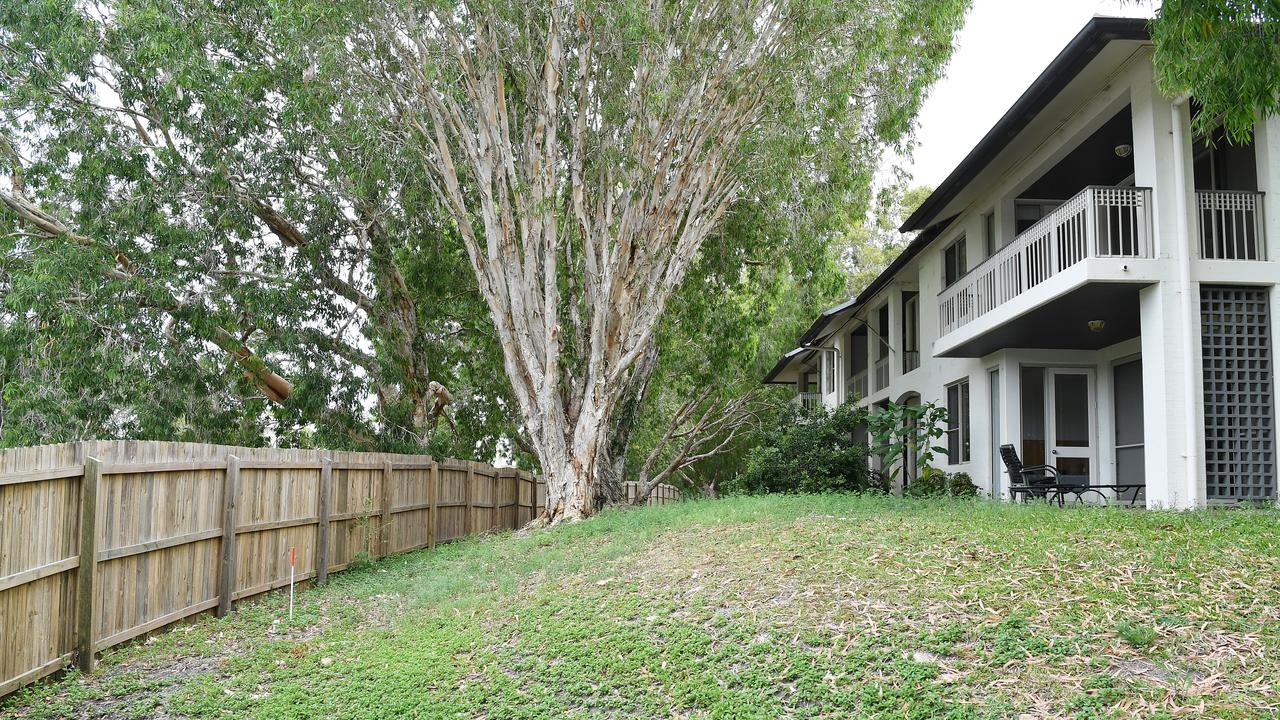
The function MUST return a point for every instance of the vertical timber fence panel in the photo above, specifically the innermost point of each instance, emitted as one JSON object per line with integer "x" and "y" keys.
{"x": 104, "y": 541}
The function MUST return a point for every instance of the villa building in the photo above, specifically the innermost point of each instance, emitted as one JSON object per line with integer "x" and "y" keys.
{"x": 1094, "y": 284}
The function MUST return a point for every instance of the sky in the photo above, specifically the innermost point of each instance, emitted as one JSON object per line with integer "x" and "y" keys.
{"x": 1004, "y": 45}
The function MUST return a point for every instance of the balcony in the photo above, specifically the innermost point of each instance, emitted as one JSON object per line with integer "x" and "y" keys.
{"x": 1098, "y": 222}
{"x": 857, "y": 386}
{"x": 1230, "y": 225}
{"x": 882, "y": 374}
{"x": 810, "y": 400}
{"x": 910, "y": 360}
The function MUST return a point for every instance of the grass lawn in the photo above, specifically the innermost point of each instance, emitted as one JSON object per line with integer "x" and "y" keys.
{"x": 807, "y": 607}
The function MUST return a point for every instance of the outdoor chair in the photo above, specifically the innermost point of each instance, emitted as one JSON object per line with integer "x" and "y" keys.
{"x": 1027, "y": 480}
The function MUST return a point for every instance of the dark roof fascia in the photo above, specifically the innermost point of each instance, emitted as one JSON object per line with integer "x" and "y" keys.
{"x": 781, "y": 365}
{"x": 917, "y": 245}
{"x": 1078, "y": 53}
{"x": 815, "y": 330}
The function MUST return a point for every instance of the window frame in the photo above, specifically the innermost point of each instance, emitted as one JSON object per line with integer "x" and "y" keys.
{"x": 961, "y": 262}
{"x": 959, "y": 422}
{"x": 1043, "y": 205}
{"x": 910, "y": 323}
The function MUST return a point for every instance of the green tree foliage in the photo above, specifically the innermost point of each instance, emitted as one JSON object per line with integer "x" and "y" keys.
{"x": 1223, "y": 53}
{"x": 896, "y": 428}
{"x": 199, "y": 241}
{"x": 757, "y": 284}
{"x": 871, "y": 240}
{"x": 586, "y": 151}
{"x": 807, "y": 451}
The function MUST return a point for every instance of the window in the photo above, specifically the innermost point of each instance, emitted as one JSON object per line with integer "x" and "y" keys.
{"x": 808, "y": 382}
{"x": 989, "y": 233}
{"x": 828, "y": 372}
{"x": 881, "y": 376}
{"x": 953, "y": 262}
{"x": 958, "y": 422}
{"x": 882, "y": 319}
{"x": 910, "y": 332}
{"x": 1029, "y": 212}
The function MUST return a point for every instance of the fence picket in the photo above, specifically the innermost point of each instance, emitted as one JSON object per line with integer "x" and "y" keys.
{"x": 187, "y": 528}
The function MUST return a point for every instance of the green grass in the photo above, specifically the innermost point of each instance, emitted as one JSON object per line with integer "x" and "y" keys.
{"x": 807, "y": 607}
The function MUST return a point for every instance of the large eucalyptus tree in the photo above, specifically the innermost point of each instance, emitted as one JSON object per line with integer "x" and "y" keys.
{"x": 198, "y": 241}
{"x": 586, "y": 150}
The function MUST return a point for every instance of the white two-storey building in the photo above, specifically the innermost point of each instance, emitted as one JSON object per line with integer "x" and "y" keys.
{"x": 1094, "y": 284}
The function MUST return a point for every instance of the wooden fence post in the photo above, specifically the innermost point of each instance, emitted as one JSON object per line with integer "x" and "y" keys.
{"x": 521, "y": 480}
{"x": 322, "y": 539}
{"x": 433, "y": 496}
{"x": 471, "y": 480}
{"x": 384, "y": 520}
{"x": 495, "y": 513}
{"x": 227, "y": 559}
{"x": 87, "y": 572}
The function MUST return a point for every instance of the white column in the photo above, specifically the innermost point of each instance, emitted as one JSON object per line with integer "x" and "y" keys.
{"x": 1105, "y": 442}
{"x": 1153, "y": 161}
{"x": 1266, "y": 142}
{"x": 1172, "y": 388}
{"x": 895, "y": 334}
{"x": 1011, "y": 413}
{"x": 1164, "y": 402}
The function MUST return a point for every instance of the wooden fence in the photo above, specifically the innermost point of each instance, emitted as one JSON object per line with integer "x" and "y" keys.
{"x": 103, "y": 541}
{"x": 660, "y": 495}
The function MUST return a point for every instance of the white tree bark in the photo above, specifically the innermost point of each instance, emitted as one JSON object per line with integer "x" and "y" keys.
{"x": 579, "y": 228}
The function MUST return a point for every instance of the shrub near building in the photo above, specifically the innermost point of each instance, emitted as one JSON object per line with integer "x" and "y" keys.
{"x": 809, "y": 451}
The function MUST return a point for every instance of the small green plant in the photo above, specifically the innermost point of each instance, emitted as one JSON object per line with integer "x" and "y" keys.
{"x": 934, "y": 482}
{"x": 1137, "y": 635}
{"x": 361, "y": 561}
{"x": 895, "y": 429}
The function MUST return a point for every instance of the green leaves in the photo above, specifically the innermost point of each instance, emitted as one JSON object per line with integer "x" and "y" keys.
{"x": 807, "y": 451}
{"x": 1223, "y": 53}
{"x": 165, "y": 134}
{"x": 896, "y": 429}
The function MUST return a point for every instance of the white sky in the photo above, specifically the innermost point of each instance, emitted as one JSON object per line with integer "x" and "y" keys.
{"x": 1004, "y": 45}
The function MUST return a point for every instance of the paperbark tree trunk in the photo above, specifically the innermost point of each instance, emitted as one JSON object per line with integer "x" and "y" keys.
{"x": 579, "y": 226}
{"x": 611, "y": 470}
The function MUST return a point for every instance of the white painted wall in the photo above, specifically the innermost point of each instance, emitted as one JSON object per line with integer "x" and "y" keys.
{"x": 1170, "y": 411}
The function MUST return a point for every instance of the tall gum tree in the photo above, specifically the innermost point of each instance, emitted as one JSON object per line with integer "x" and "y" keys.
{"x": 197, "y": 243}
{"x": 586, "y": 149}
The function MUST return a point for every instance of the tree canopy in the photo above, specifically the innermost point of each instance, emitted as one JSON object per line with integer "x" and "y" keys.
{"x": 586, "y": 152}
{"x": 245, "y": 222}
{"x": 1225, "y": 54}
{"x": 198, "y": 242}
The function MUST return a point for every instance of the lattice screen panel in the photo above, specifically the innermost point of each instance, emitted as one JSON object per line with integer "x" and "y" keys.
{"x": 1239, "y": 425}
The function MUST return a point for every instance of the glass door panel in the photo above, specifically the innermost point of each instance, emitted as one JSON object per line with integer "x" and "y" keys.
{"x": 1071, "y": 423}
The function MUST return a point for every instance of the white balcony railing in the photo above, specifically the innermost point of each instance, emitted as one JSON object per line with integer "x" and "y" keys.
{"x": 1230, "y": 224}
{"x": 882, "y": 374}
{"x": 810, "y": 400}
{"x": 910, "y": 360}
{"x": 857, "y": 387}
{"x": 1099, "y": 222}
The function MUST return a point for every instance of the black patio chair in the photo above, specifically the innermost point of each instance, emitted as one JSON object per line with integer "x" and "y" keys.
{"x": 1030, "y": 481}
